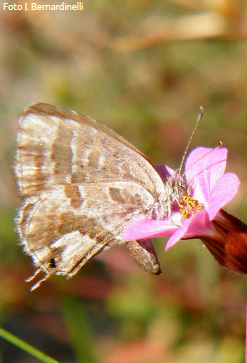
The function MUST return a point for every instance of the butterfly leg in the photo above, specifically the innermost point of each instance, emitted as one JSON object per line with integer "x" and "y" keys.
{"x": 35, "y": 286}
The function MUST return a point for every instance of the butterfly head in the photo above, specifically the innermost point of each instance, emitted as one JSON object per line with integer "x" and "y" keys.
{"x": 180, "y": 196}
{"x": 178, "y": 187}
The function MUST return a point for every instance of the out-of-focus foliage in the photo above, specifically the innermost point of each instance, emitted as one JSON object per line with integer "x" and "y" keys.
{"x": 142, "y": 68}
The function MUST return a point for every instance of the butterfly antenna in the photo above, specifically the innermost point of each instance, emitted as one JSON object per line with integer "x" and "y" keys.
{"x": 190, "y": 139}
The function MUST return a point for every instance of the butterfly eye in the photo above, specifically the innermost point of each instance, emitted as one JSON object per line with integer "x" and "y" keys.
{"x": 180, "y": 189}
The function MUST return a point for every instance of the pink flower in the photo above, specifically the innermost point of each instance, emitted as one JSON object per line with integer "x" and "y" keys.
{"x": 211, "y": 189}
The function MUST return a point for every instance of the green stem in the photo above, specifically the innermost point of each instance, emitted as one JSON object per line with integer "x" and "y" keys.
{"x": 26, "y": 347}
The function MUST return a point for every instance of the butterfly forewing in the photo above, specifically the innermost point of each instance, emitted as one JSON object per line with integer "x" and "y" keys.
{"x": 81, "y": 184}
{"x": 57, "y": 146}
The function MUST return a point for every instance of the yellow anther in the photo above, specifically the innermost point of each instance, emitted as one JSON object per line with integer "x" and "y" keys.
{"x": 189, "y": 206}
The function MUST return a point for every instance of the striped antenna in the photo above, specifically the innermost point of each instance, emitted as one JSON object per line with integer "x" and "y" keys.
{"x": 189, "y": 142}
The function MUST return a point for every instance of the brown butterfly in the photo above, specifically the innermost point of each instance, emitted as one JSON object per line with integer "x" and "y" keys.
{"x": 81, "y": 184}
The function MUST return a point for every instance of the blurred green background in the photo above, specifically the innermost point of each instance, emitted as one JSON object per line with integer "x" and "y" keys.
{"x": 142, "y": 68}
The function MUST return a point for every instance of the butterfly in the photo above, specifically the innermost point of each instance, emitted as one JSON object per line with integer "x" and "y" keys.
{"x": 81, "y": 184}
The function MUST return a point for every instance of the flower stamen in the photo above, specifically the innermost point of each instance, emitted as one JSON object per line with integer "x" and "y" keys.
{"x": 189, "y": 206}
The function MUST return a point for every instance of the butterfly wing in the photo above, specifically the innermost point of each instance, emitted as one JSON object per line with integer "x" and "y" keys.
{"x": 81, "y": 183}
{"x": 57, "y": 146}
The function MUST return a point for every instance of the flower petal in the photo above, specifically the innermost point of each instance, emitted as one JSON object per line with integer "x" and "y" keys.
{"x": 224, "y": 190}
{"x": 193, "y": 227}
{"x": 164, "y": 171}
{"x": 148, "y": 228}
{"x": 204, "y": 166}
